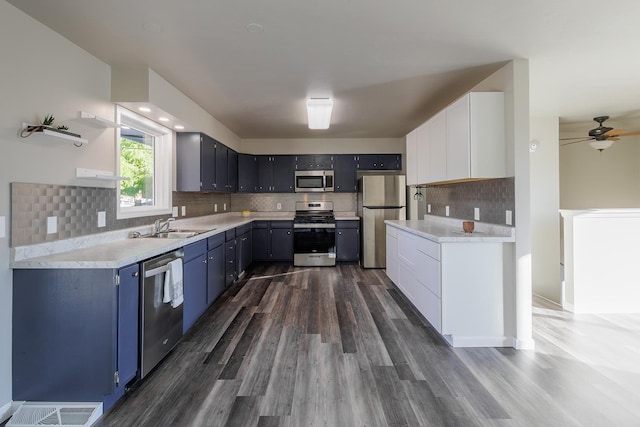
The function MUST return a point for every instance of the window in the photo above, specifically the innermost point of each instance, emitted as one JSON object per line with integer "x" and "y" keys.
{"x": 144, "y": 156}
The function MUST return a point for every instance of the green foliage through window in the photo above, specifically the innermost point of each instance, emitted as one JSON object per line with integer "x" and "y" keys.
{"x": 137, "y": 164}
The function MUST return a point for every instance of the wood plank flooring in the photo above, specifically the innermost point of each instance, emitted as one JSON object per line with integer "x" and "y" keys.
{"x": 341, "y": 346}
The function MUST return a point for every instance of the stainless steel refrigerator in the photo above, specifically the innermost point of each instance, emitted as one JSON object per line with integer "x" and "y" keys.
{"x": 380, "y": 197}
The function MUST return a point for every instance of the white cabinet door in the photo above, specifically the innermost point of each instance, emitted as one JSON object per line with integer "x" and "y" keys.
{"x": 458, "y": 138}
{"x": 423, "y": 137}
{"x": 411, "y": 158}
{"x": 392, "y": 254}
{"x": 438, "y": 147}
{"x": 476, "y": 137}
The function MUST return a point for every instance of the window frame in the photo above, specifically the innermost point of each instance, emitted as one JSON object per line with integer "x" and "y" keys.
{"x": 162, "y": 180}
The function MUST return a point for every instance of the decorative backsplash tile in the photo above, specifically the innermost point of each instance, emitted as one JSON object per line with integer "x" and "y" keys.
{"x": 493, "y": 197}
{"x": 77, "y": 210}
{"x": 266, "y": 202}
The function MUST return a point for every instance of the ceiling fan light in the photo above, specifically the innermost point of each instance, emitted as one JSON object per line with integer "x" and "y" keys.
{"x": 600, "y": 145}
{"x": 319, "y": 112}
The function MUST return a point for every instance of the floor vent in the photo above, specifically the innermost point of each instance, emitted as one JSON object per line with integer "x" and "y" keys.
{"x": 56, "y": 414}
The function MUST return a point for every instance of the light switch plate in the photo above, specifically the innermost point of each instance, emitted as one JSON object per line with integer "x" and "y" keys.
{"x": 102, "y": 219}
{"x": 476, "y": 214}
{"x": 3, "y": 227}
{"x": 446, "y": 211}
{"x": 224, "y": 206}
{"x": 278, "y": 206}
{"x": 184, "y": 211}
{"x": 52, "y": 224}
{"x": 174, "y": 212}
{"x": 428, "y": 207}
{"x": 215, "y": 207}
{"x": 509, "y": 217}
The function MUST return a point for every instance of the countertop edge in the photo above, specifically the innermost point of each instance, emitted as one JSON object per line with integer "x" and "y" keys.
{"x": 450, "y": 234}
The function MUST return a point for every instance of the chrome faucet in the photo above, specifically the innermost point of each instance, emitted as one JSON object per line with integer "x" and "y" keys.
{"x": 159, "y": 226}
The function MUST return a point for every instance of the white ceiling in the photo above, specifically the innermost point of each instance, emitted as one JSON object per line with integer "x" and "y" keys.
{"x": 387, "y": 65}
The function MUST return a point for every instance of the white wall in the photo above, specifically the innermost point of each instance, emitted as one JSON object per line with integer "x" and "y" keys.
{"x": 545, "y": 203}
{"x": 513, "y": 80}
{"x": 43, "y": 73}
{"x": 593, "y": 179}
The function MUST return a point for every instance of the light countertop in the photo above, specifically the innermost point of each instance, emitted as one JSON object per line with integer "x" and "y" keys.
{"x": 115, "y": 249}
{"x": 449, "y": 230}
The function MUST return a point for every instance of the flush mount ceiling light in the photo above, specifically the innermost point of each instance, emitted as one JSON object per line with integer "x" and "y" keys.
{"x": 319, "y": 112}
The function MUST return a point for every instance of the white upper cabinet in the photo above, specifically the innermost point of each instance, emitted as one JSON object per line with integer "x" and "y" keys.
{"x": 476, "y": 137}
{"x": 438, "y": 148}
{"x": 411, "y": 158}
{"x": 466, "y": 140}
{"x": 423, "y": 142}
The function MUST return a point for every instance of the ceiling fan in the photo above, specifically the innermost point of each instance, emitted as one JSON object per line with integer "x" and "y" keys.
{"x": 601, "y": 137}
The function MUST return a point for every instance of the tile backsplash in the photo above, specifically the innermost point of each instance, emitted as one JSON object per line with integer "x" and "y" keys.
{"x": 493, "y": 197}
{"x": 77, "y": 210}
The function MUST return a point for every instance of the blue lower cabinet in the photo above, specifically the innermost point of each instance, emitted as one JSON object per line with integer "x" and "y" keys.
{"x": 194, "y": 283}
{"x": 215, "y": 272}
{"x": 128, "y": 326}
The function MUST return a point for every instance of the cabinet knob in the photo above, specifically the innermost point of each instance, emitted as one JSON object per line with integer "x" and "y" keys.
{"x": 211, "y": 258}
{"x": 340, "y": 233}
{"x": 288, "y": 232}
{"x": 135, "y": 274}
{"x": 204, "y": 261}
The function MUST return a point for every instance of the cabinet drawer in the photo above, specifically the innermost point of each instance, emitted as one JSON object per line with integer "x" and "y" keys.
{"x": 428, "y": 273}
{"x": 347, "y": 224}
{"x": 230, "y": 234}
{"x": 428, "y": 247}
{"x": 407, "y": 248}
{"x": 281, "y": 224}
{"x": 243, "y": 229}
{"x": 392, "y": 231}
{"x": 194, "y": 250}
{"x": 431, "y": 308}
{"x": 215, "y": 241}
{"x": 260, "y": 224}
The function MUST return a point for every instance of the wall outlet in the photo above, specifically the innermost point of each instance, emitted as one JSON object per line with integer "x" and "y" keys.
{"x": 476, "y": 214}
{"x": 428, "y": 207}
{"x": 184, "y": 211}
{"x": 508, "y": 217}
{"x": 215, "y": 207}
{"x": 174, "y": 212}
{"x": 52, "y": 224}
{"x": 278, "y": 206}
{"x": 224, "y": 207}
{"x": 102, "y": 219}
{"x": 446, "y": 211}
{"x": 3, "y": 227}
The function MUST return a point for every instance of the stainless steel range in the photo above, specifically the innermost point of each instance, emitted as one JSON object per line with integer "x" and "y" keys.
{"x": 314, "y": 234}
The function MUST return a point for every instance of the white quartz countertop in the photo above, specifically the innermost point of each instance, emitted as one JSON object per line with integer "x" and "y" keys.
{"x": 449, "y": 230}
{"x": 115, "y": 249}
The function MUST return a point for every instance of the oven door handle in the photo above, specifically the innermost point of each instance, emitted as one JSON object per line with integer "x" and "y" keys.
{"x": 314, "y": 226}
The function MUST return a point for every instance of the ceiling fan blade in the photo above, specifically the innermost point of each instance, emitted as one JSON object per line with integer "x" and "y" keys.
{"x": 629, "y": 133}
{"x": 575, "y": 142}
{"x": 578, "y": 137}
{"x": 614, "y": 132}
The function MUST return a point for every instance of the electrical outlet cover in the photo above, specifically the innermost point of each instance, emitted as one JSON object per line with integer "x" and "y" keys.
{"x": 184, "y": 211}
{"x": 476, "y": 214}
{"x": 3, "y": 225}
{"x": 52, "y": 224}
{"x": 446, "y": 210}
{"x": 102, "y": 219}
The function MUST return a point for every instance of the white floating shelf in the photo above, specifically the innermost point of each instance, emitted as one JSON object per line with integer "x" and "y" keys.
{"x": 97, "y": 121}
{"x": 40, "y": 133}
{"x": 98, "y": 174}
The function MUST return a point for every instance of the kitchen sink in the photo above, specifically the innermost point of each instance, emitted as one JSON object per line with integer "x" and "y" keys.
{"x": 177, "y": 233}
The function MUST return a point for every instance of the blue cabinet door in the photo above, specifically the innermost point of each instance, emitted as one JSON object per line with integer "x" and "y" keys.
{"x": 247, "y": 173}
{"x": 281, "y": 244}
{"x": 215, "y": 273}
{"x": 347, "y": 244}
{"x": 244, "y": 251}
{"x": 232, "y": 171}
{"x": 265, "y": 174}
{"x": 345, "y": 173}
{"x": 260, "y": 240}
{"x": 222, "y": 180}
{"x": 195, "y": 290}
{"x": 128, "y": 326}
{"x": 283, "y": 174}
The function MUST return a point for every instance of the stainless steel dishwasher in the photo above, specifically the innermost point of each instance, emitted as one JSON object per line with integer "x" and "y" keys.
{"x": 160, "y": 324}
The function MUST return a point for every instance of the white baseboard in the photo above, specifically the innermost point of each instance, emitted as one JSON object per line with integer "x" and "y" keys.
{"x": 8, "y": 409}
{"x": 526, "y": 344}
{"x": 548, "y": 300}
{"x": 569, "y": 307}
{"x": 497, "y": 341}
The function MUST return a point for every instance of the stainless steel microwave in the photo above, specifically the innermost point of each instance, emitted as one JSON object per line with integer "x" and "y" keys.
{"x": 314, "y": 181}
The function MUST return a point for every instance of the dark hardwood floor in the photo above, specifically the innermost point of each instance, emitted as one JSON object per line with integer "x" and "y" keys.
{"x": 292, "y": 346}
